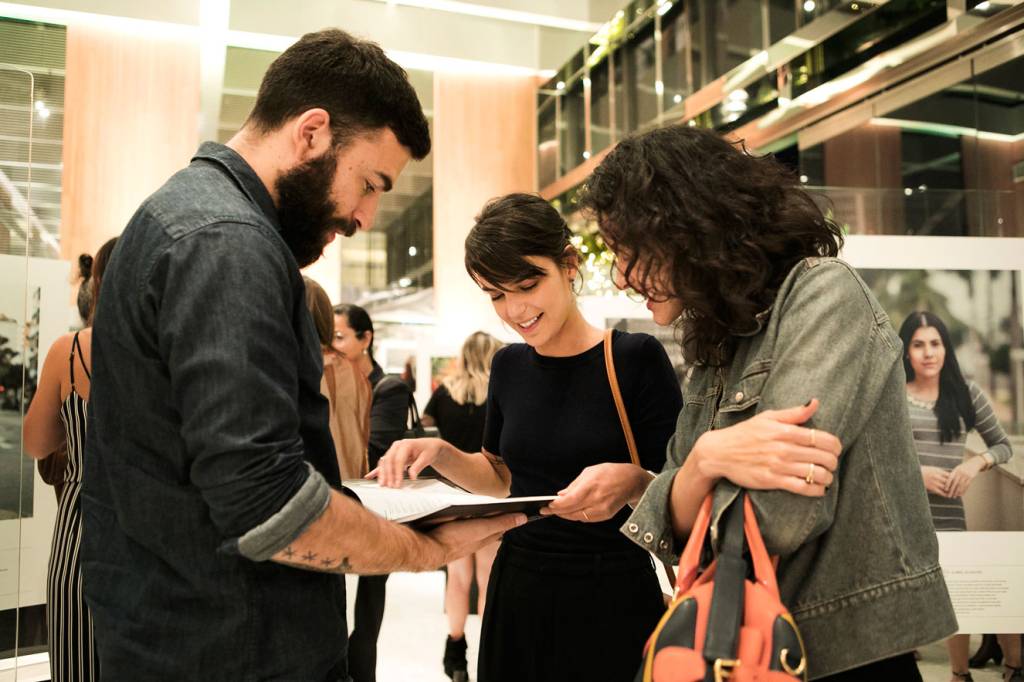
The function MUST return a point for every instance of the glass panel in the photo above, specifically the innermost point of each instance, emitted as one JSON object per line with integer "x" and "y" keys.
{"x": 674, "y": 67}
{"x": 890, "y": 25}
{"x": 33, "y": 310}
{"x": 941, "y": 165}
{"x": 600, "y": 107}
{"x": 623, "y": 102}
{"x": 547, "y": 139}
{"x": 781, "y": 19}
{"x": 641, "y": 80}
{"x": 573, "y": 142}
{"x": 737, "y": 29}
{"x": 410, "y": 245}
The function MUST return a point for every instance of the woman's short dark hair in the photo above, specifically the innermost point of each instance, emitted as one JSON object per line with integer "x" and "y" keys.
{"x": 954, "y": 402}
{"x": 99, "y": 266}
{"x": 352, "y": 79}
{"x": 508, "y": 230}
{"x": 319, "y": 305}
{"x": 84, "y": 298}
{"x": 359, "y": 320}
{"x": 727, "y": 225}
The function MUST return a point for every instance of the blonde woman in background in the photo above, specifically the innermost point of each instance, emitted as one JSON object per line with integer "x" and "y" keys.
{"x": 458, "y": 410}
{"x": 346, "y": 388}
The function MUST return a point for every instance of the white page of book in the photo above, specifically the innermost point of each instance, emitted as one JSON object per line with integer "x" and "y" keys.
{"x": 416, "y": 498}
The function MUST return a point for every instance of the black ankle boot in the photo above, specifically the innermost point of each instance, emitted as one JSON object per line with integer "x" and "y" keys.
{"x": 455, "y": 665}
{"x": 989, "y": 649}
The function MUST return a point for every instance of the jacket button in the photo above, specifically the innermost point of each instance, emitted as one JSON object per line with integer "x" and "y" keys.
{"x": 663, "y": 544}
{"x": 633, "y": 528}
{"x": 739, "y": 396}
{"x": 648, "y": 538}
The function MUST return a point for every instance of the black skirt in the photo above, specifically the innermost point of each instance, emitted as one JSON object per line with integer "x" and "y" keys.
{"x": 560, "y": 617}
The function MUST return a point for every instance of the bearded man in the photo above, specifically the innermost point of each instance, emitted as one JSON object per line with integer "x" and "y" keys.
{"x": 214, "y": 532}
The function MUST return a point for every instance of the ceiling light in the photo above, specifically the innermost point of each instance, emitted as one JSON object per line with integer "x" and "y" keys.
{"x": 677, "y": 99}
{"x": 486, "y": 12}
{"x": 413, "y": 251}
{"x": 405, "y": 282}
{"x": 560, "y": 85}
{"x": 809, "y": 6}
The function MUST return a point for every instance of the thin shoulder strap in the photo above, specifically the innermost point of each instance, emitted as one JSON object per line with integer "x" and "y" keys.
{"x": 76, "y": 346}
{"x": 620, "y": 407}
{"x": 627, "y": 430}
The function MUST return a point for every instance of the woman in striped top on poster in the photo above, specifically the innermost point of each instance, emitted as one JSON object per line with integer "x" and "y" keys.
{"x": 58, "y": 413}
{"x": 944, "y": 407}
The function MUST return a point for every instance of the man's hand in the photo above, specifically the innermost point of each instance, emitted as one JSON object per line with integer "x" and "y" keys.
{"x": 457, "y": 539}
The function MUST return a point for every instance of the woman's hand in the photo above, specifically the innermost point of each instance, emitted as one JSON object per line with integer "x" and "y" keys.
{"x": 962, "y": 475}
{"x": 936, "y": 480}
{"x": 770, "y": 451}
{"x": 415, "y": 454}
{"x": 599, "y": 492}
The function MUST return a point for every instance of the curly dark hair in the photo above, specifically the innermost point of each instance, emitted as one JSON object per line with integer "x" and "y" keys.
{"x": 727, "y": 225}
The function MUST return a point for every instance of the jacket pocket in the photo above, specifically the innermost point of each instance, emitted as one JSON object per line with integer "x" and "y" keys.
{"x": 741, "y": 398}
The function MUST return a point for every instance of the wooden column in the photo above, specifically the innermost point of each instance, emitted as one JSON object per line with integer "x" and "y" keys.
{"x": 131, "y": 120}
{"x": 484, "y": 147}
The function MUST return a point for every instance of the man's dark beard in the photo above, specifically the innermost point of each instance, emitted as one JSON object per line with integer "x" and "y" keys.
{"x": 305, "y": 208}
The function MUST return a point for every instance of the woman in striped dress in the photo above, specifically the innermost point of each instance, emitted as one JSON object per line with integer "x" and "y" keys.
{"x": 58, "y": 413}
{"x": 944, "y": 407}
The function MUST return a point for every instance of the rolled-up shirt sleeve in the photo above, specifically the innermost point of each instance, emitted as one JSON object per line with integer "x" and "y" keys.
{"x": 224, "y": 300}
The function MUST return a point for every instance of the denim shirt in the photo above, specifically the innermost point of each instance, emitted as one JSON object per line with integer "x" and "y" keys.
{"x": 858, "y": 568}
{"x": 209, "y": 448}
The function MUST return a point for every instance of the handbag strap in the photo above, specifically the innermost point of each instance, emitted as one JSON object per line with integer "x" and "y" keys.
{"x": 627, "y": 430}
{"x": 726, "y": 614}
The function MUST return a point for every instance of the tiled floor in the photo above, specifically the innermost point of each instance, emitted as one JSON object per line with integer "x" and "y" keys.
{"x": 412, "y": 637}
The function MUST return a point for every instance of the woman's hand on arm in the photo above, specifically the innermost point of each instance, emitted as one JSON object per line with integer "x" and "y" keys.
{"x": 936, "y": 480}
{"x": 769, "y": 451}
{"x": 961, "y": 477}
{"x": 600, "y": 491}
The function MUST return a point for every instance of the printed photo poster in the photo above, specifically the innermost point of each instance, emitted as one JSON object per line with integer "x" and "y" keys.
{"x": 972, "y": 291}
{"x": 34, "y": 312}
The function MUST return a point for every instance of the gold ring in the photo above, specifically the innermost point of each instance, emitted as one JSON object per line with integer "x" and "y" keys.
{"x": 812, "y": 438}
{"x": 585, "y": 515}
{"x": 809, "y": 478}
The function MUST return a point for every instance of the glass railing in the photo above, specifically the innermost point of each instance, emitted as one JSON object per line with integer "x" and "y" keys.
{"x": 923, "y": 211}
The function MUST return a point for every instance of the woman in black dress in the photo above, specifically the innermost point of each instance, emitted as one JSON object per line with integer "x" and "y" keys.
{"x": 456, "y": 408}
{"x": 570, "y": 598}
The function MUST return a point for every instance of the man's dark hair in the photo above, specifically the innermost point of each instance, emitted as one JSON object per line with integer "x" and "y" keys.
{"x": 727, "y": 225}
{"x": 352, "y": 79}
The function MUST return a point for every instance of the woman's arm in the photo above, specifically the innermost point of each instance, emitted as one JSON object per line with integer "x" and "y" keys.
{"x": 999, "y": 448}
{"x": 478, "y": 472}
{"x": 43, "y": 430}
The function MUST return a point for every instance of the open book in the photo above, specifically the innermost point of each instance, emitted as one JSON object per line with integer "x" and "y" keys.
{"x": 429, "y": 501}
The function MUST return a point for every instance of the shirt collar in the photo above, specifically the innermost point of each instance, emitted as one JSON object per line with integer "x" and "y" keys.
{"x": 759, "y": 321}
{"x": 243, "y": 175}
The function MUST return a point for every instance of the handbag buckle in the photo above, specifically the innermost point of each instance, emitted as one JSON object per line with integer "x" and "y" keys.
{"x": 724, "y": 668}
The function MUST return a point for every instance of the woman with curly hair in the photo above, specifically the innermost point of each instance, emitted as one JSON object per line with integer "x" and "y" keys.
{"x": 797, "y": 394}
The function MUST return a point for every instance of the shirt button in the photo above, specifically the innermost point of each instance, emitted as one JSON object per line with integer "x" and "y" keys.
{"x": 739, "y": 396}
{"x": 633, "y": 528}
{"x": 648, "y": 538}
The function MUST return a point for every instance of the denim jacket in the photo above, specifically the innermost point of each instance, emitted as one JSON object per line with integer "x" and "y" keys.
{"x": 209, "y": 447}
{"x": 858, "y": 568}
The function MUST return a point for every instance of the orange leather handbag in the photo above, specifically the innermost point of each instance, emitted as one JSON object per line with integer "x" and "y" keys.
{"x": 726, "y": 621}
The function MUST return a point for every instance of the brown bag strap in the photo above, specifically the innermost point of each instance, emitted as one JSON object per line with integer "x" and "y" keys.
{"x": 620, "y": 407}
